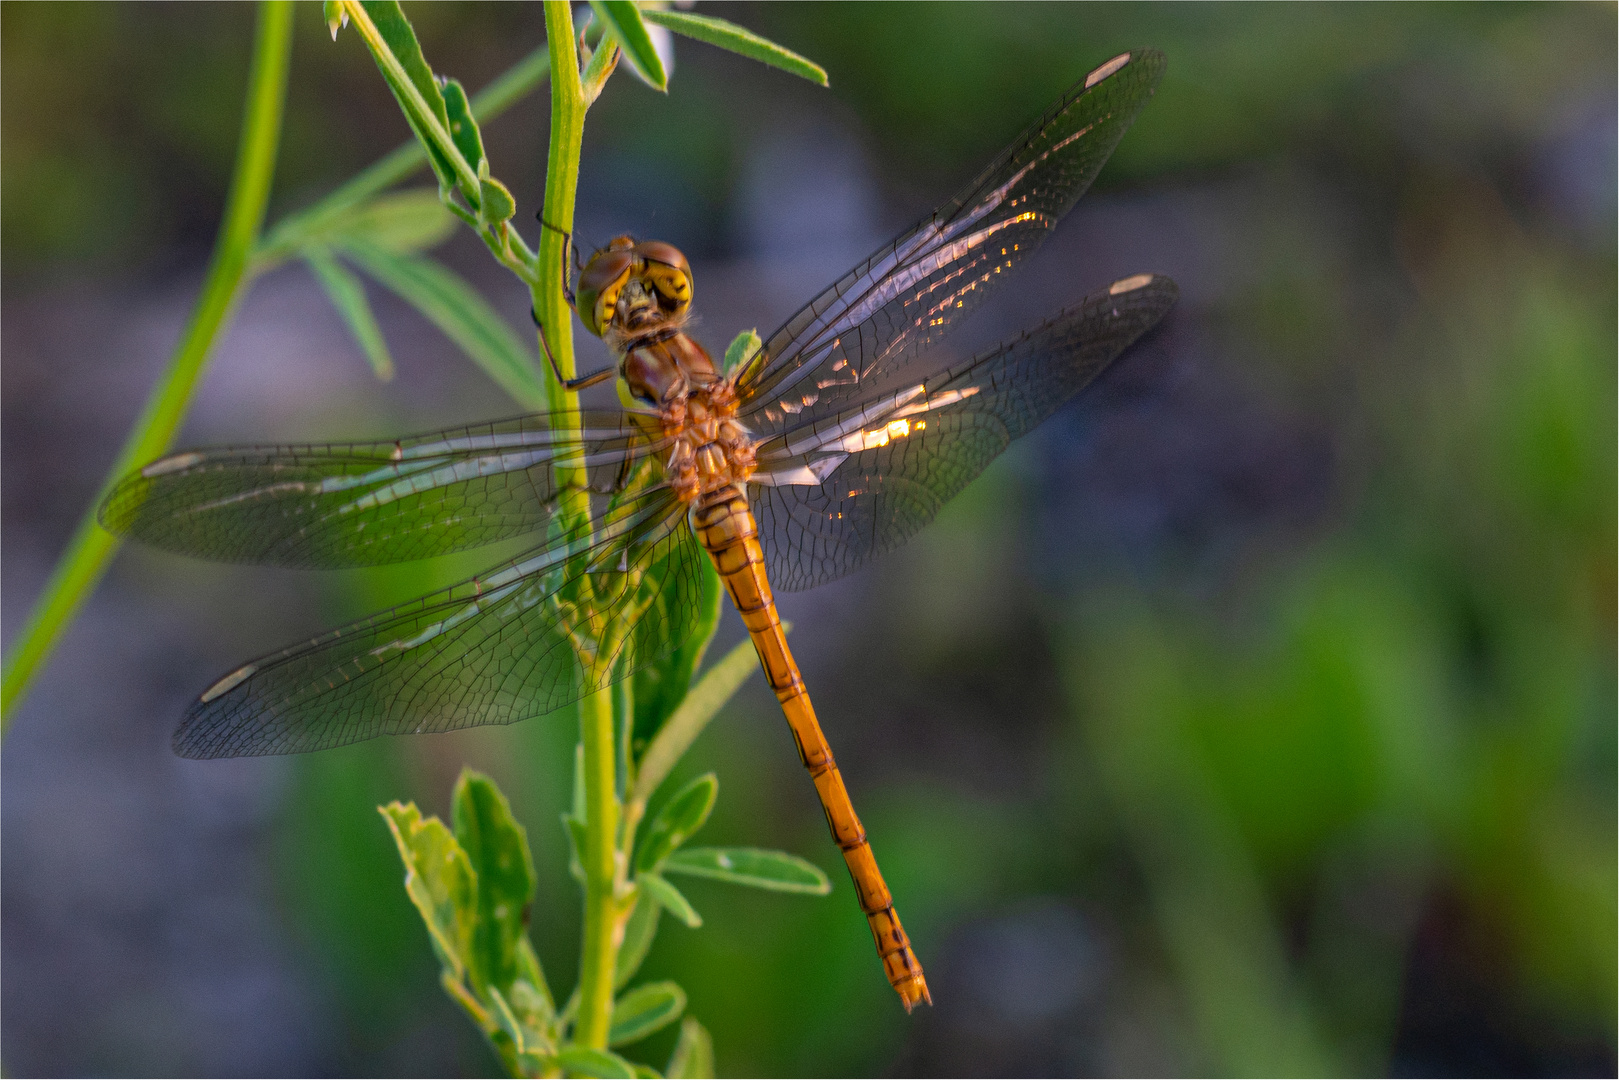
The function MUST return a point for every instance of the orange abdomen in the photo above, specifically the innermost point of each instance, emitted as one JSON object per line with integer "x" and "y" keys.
{"x": 724, "y": 525}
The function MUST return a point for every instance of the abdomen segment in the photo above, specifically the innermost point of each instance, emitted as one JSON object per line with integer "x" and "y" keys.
{"x": 725, "y": 526}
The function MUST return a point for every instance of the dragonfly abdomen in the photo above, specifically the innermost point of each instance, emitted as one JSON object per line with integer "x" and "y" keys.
{"x": 725, "y": 526}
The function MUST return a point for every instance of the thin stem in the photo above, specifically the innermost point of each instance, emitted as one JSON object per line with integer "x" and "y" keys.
{"x": 561, "y": 183}
{"x": 604, "y": 916}
{"x": 92, "y": 548}
{"x": 603, "y": 921}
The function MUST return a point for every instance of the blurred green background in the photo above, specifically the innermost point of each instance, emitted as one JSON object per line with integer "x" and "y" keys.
{"x": 1256, "y": 716}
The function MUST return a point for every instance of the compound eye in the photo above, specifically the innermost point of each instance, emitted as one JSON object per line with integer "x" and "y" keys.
{"x": 667, "y": 254}
{"x": 600, "y": 282}
{"x": 668, "y": 272}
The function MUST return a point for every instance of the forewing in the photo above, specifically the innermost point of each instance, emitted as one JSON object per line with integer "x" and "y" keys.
{"x": 362, "y": 504}
{"x": 855, "y": 340}
{"x": 830, "y": 494}
{"x": 502, "y": 647}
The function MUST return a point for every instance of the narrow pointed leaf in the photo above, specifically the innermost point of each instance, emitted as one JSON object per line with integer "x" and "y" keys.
{"x": 403, "y": 222}
{"x": 639, "y": 931}
{"x": 347, "y": 294}
{"x": 661, "y": 686}
{"x": 439, "y": 880}
{"x": 693, "y": 1057}
{"x": 731, "y": 37}
{"x": 400, "y": 37}
{"x": 498, "y": 849}
{"x": 603, "y": 62}
{"x": 718, "y": 684}
{"x": 406, "y": 221}
{"x": 681, "y": 816}
{"x": 623, "y": 21}
{"x": 644, "y": 1010}
{"x": 584, "y": 1061}
{"x": 507, "y": 1019}
{"x": 671, "y": 898}
{"x": 465, "y": 317}
{"x": 756, "y": 868}
{"x": 463, "y": 127}
{"x": 576, "y": 845}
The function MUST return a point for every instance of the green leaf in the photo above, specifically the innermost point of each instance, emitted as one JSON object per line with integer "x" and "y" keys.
{"x": 507, "y": 1019}
{"x": 603, "y": 62}
{"x": 347, "y": 294}
{"x": 639, "y": 930}
{"x": 439, "y": 880}
{"x": 576, "y": 845}
{"x": 336, "y": 17}
{"x": 465, "y": 317}
{"x": 670, "y": 897}
{"x": 773, "y": 870}
{"x": 728, "y": 35}
{"x": 573, "y": 823}
{"x": 699, "y": 706}
{"x": 680, "y": 817}
{"x": 623, "y": 21}
{"x": 399, "y": 41}
{"x": 742, "y": 349}
{"x": 578, "y": 803}
{"x": 584, "y": 1061}
{"x": 498, "y": 849}
{"x": 661, "y": 686}
{"x": 463, "y": 127}
{"x": 693, "y": 1057}
{"x": 644, "y": 1010}
{"x": 530, "y": 1000}
{"x": 646, "y": 1072}
{"x": 405, "y": 221}
{"x": 496, "y": 203}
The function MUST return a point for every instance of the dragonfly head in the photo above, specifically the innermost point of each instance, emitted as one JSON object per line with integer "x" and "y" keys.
{"x": 629, "y": 288}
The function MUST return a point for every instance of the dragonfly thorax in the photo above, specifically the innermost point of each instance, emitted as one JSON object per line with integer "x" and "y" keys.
{"x": 661, "y": 369}
{"x": 712, "y": 449}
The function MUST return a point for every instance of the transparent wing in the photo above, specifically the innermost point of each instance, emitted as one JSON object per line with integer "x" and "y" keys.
{"x": 854, "y": 341}
{"x": 502, "y": 647}
{"x": 832, "y": 493}
{"x": 361, "y": 504}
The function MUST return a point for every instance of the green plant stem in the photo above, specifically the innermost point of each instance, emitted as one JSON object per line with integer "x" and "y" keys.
{"x": 603, "y": 909}
{"x": 603, "y": 916}
{"x": 92, "y": 548}
{"x": 561, "y": 184}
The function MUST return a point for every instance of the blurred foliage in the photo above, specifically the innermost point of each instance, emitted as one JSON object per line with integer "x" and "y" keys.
{"x": 1336, "y": 797}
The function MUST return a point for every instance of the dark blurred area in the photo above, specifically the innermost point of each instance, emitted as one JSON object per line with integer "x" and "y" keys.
{"x": 1255, "y": 716}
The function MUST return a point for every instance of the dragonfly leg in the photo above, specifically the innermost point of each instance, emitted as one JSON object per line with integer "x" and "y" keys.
{"x": 571, "y": 385}
{"x": 725, "y": 526}
{"x": 567, "y": 247}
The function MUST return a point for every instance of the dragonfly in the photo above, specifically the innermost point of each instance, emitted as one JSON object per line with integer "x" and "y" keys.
{"x": 837, "y": 440}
